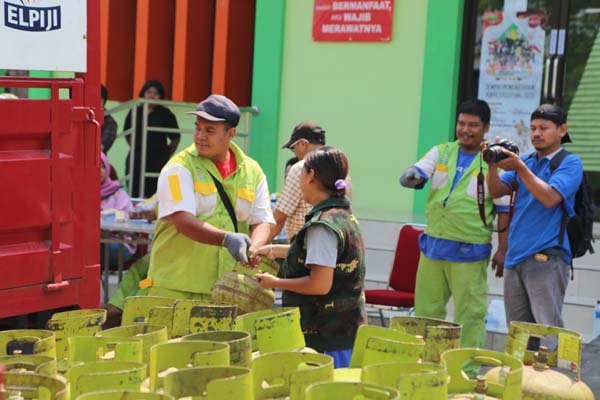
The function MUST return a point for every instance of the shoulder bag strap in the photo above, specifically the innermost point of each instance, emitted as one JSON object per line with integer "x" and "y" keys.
{"x": 226, "y": 201}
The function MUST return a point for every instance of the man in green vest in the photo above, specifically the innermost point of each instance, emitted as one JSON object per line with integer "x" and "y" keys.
{"x": 456, "y": 245}
{"x": 213, "y": 205}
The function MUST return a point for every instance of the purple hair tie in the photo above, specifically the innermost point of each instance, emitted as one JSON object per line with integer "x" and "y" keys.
{"x": 340, "y": 184}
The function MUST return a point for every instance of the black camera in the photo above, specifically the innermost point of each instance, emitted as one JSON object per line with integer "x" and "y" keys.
{"x": 494, "y": 154}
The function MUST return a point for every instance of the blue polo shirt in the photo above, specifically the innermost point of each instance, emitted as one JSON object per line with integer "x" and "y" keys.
{"x": 534, "y": 227}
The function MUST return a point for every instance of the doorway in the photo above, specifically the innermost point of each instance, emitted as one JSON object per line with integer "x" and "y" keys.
{"x": 518, "y": 54}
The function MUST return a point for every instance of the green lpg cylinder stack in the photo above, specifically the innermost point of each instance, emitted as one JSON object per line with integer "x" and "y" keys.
{"x": 180, "y": 317}
{"x": 241, "y": 287}
{"x": 540, "y": 381}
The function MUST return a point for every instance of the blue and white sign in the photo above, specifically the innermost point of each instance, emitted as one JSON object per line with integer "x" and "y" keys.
{"x": 47, "y": 35}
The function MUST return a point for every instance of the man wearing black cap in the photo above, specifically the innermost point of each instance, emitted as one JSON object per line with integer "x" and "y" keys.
{"x": 211, "y": 196}
{"x": 291, "y": 208}
{"x": 537, "y": 264}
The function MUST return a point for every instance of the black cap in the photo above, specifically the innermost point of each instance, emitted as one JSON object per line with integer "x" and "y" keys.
{"x": 218, "y": 108}
{"x": 554, "y": 113}
{"x": 307, "y": 130}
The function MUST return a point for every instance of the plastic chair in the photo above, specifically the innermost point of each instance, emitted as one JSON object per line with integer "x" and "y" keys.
{"x": 400, "y": 292}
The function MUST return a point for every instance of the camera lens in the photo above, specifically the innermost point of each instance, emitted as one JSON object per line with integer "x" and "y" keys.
{"x": 493, "y": 154}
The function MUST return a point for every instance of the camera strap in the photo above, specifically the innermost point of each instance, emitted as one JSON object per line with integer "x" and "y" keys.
{"x": 481, "y": 197}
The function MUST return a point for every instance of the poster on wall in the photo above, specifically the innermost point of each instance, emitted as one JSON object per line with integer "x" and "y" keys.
{"x": 511, "y": 71}
{"x": 47, "y": 35}
{"x": 353, "y": 21}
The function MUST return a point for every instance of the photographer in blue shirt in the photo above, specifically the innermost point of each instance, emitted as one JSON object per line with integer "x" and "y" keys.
{"x": 536, "y": 270}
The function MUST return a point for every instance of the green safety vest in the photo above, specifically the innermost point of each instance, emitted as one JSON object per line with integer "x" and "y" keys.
{"x": 454, "y": 215}
{"x": 180, "y": 263}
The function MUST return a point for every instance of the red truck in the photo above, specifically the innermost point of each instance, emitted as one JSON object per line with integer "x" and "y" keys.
{"x": 50, "y": 177}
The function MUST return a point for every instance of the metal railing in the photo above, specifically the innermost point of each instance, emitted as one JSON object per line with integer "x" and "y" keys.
{"x": 243, "y": 133}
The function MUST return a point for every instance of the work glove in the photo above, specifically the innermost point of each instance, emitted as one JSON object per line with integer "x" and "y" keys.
{"x": 411, "y": 177}
{"x": 237, "y": 244}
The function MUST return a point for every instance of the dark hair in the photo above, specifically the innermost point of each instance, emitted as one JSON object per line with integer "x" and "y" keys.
{"x": 156, "y": 84}
{"x": 476, "y": 107}
{"x": 103, "y": 94}
{"x": 330, "y": 166}
{"x": 291, "y": 162}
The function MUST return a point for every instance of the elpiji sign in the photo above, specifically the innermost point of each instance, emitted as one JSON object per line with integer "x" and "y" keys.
{"x": 26, "y": 17}
{"x": 47, "y": 35}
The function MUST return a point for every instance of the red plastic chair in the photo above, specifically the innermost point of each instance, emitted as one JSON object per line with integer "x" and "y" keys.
{"x": 400, "y": 292}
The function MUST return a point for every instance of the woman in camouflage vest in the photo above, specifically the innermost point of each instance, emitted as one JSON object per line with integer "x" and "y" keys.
{"x": 324, "y": 267}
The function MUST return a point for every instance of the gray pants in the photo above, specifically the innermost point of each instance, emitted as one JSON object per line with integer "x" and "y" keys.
{"x": 534, "y": 291}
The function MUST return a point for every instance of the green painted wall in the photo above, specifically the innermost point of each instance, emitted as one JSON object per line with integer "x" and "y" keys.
{"x": 367, "y": 96}
{"x": 266, "y": 84}
{"x": 440, "y": 85}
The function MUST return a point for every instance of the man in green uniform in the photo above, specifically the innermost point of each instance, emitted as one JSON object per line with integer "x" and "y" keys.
{"x": 456, "y": 245}
{"x": 211, "y": 196}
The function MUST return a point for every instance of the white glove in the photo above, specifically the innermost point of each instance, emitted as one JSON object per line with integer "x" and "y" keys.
{"x": 411, "y": 178}
{"x": 237, "y": 244}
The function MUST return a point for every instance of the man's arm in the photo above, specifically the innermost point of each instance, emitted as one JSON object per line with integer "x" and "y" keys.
{"x": 543, "y": 192}
{"x": 260, "y": 234}
{"x": 496, "y": 187}
{"x": 500, "y": 255}
{"x": 280, "y": 219}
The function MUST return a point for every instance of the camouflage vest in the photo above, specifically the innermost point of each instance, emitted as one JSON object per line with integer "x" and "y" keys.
{"x": 329, "y": 322}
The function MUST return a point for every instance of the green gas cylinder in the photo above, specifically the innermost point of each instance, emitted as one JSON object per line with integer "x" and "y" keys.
{"x": 242, "y": 288}
{"x": 539, "y": 380}
{"x": 103, "y": 375}
{"x": 28, "y": 341}
{"x": 97, "y": 348}
{"x": 284, "y": 374}
{"x": 460, "y": 385}
{"x": 240, "y": 345}
{"x": 17, "y": 363}
{"x": 273, "y": 330}
{"x": 184, "y": 354}
{"x": 74, "y": 323}
{"x": 439, "y": 335}
{"x": 33, "y": 386}
{"x": 124, "y": 395}
{"x": 210, "y": 383}
{"x": 350, "y": 391}
{"x": 414, "y": 381}
{"x": 149, "y": 334}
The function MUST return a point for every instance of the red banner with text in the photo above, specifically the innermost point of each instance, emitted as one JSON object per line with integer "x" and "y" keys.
{"x": 353, "y": 20}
